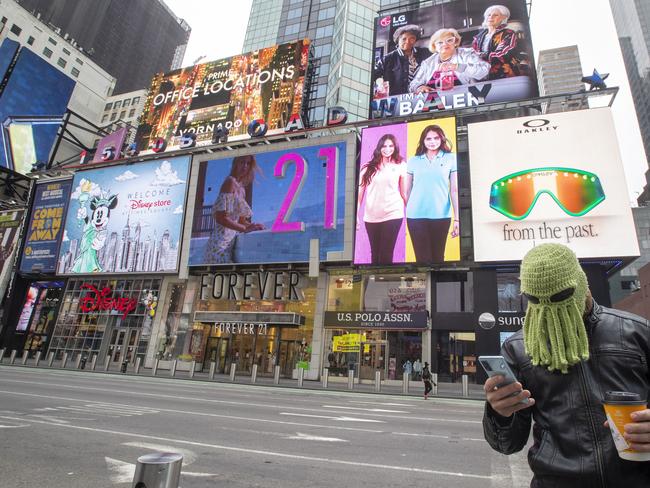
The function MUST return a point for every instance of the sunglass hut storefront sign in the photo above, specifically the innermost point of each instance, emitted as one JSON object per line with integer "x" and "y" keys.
{"x": 553, "y": 179}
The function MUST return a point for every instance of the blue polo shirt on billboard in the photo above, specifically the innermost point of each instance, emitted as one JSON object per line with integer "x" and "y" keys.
{"x": 429, "y": 198}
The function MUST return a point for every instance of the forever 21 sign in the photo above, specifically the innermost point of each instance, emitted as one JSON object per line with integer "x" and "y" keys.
{"x": 252, "y": 285}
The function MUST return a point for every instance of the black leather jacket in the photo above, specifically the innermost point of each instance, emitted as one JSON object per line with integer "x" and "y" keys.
{"x": 572, "y": 448}
{"x": 394, "y": 69}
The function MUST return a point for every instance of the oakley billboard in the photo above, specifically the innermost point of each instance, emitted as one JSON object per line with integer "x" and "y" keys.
{"x": 452, "y": 55}
{"x": 543, "y": 187}
{"x": 265, "y": 86}
{"x": 407, "y": 205}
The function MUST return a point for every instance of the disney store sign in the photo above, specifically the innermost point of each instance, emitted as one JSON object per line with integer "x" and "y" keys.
{"x": 103, "y": 301}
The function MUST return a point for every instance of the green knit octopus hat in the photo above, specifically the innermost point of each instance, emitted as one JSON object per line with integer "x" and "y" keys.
{"x": 554, "y": 331}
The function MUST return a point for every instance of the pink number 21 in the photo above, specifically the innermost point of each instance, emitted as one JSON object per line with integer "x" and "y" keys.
{"x": 330, "y": 154}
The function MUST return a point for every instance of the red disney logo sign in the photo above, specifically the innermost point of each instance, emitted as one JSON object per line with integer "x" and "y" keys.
{"x": 101, "y": 300}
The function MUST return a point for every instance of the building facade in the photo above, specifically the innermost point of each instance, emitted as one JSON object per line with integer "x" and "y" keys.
{"x": 632, "y": 19}
{"x": 130, "y": 40}
{"x": 341, "y": 32}
{"x": 559, "y": 71}
{"x": 124, "y": 110}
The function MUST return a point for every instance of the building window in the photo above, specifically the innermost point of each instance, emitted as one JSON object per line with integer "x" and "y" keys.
{"x": 509, "y": 293}
{"x": 62, "y": 62}
{"x": 118, "y": 104}
{"x": 15, "y": 30}
{"x": 122, "y": 114}
{"x": 113, "y": 116}
{"x": 51, "y": 41}
{"x": 75, "y": 72}
{"x": 455, "y": 292}
{"x": 65, "y": 51}
{"x": 136, "y": 100}
{"x": 126, "y": 102}
{"x": 30, "y": 40}
{"x": 105, "y": 118}
{"x": 292, "y": 29}
{"x": 108, "y": 106}
{"x": 4, "y": 20}
{"x": 131, "y": 113}
{"x": 47, "y": 52}
{"x": 79, "y": 61}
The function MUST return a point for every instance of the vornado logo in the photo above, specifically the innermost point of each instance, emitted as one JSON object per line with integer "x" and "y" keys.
{"x": 535, "y": 126}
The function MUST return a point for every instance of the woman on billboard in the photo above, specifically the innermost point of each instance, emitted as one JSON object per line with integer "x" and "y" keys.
{"x": 382, "y": 184}
{"x": 449, "y": 65}
{"x": 231, "y": 212}
{"x": 497, "y": 44}
{"x": 432, "y": 194}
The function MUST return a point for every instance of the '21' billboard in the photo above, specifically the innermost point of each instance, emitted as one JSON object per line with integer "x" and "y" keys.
{"x": 270, "y": 206}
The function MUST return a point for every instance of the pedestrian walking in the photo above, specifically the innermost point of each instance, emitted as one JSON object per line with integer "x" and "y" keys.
{"x": 427, "y": 379}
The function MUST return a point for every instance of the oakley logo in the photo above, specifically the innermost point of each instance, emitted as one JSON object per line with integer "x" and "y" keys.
{"x": 536, "y": 126}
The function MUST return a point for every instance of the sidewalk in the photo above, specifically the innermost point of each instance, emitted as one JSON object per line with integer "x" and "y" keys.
{"x": 416, "y": 388}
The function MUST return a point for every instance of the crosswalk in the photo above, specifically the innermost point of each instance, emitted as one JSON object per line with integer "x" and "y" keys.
{"x": 110, "y": 410}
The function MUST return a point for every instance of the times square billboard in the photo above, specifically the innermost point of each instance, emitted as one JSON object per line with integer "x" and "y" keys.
{"x": 264, "y": 85}
{"x": 449, "y": 56}
{"x": 271, "y": 205}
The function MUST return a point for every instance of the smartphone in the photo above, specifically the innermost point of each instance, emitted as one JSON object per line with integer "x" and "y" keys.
{"x": 497, "y": 365}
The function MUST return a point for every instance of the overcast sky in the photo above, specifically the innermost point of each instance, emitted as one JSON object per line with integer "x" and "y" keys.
{"x": 218, "y": 28}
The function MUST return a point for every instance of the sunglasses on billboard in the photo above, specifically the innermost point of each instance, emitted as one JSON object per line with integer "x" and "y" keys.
{"x": 575, "y": 191}
{"x": 558, "y": 297}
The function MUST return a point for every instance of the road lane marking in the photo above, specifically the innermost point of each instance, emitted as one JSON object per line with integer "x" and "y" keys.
{"x": 306, "y": 437}
{"x": 13, "y": 426}
{"x": 364, "y": 409}
{"x": 342, "y": 419}
{"x": 440, "y": 436}
{"x": 343, "y": 462}
{"x": 205, "y": 414}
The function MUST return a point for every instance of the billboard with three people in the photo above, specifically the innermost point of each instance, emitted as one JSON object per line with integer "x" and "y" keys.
{"x": 452, "y": 55}
{"x": 407, "y": 204}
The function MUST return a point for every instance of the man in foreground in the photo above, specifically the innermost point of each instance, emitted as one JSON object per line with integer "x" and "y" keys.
{"x": 568, "y": 354}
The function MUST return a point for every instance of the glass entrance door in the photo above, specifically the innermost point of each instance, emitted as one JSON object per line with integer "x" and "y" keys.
{"x": 123, "y": 345}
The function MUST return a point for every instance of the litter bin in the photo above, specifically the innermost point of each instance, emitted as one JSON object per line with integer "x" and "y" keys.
{"x": 124, "y": 365}
{"x": 158, "y": 470}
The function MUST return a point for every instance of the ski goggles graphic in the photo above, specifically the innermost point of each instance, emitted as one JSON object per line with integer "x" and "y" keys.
{"x": 575, "y": 191}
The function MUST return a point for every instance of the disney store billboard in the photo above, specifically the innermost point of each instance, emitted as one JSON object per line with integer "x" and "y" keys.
{"x": 125, "y": 219}
{"x": 452, "y": 55}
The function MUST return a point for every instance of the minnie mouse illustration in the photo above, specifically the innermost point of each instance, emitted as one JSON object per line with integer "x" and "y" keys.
{"x": 94, "y": 231}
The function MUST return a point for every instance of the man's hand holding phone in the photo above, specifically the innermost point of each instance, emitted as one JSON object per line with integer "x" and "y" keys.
{"x": 506, "y": 399}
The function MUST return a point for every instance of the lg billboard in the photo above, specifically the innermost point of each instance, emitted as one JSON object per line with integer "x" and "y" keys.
{"x": 269, "y": 206}
{"x": 125, "y": 219}
{"x": 452, "y": 55}
{"x": 544, "y": 187}
{"x": 407, "y": 205}
{"x": 265, "y": 85}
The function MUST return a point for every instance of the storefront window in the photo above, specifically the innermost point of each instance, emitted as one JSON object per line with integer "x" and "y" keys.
{"x": 246, "y": 337}
{"x": 510, "y": 297}
{"x": 117, "y": 325}
{"x": 454, "y": 292}
{"x": 366, "y": 351}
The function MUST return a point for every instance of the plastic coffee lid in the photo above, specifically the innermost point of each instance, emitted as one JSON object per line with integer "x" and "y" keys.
{"x": 623, "y": 397}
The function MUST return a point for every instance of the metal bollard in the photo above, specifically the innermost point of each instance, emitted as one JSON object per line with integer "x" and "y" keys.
{"x": 12, "y": 357}
{"x": 138, "y": 363}
{"x": 377, "y": 381}
{"x": 25, "y": 356}
{"x": 276, "y": 375}
{"x": 406, "y": 379}
{"x": 325, "y": 378}
{"x": 64, "y": 361}
{"x": 172, "y": 370}
{"x": 434, "y": 379}
{"x": 77, "y": 363}
{"x": 465, "y": 382}
{"x": 213, "y": 368}
{"x": 2, "y": 354}
{"x": 154, "y": 370}
{"x": 192, "y": 366}
{"x": 93, "y": 362}
{"x": 107, "y": 363}
{"x": 50, "y": 360}
{"x": 254, "y": 373}
{"x": 301, "y": 377}
{"x": 37, "y": 359}
{"x": 233, "y": 371}
{"x": 158, "y": 470}
{"x": 350, "y": 379}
